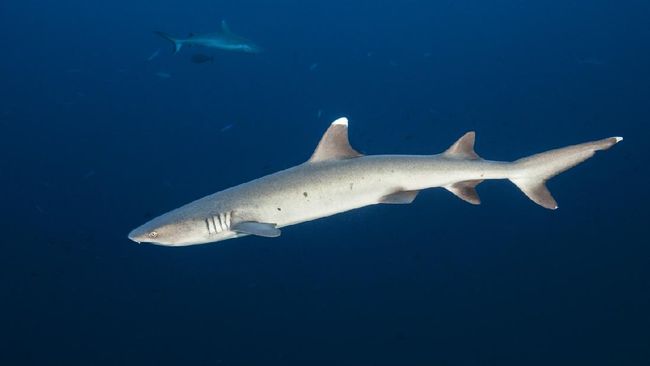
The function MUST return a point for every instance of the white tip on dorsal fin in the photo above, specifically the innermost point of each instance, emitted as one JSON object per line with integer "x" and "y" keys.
{"x": 341, "y": 121}
{"x": 463, "y": 148}
{"x": 224, "y": 27}
{"x": 334, "y": 144}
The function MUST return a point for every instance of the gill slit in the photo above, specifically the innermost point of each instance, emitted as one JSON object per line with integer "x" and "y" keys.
{"x": 219, "y": 222}
{"x": 214, "y": 225}
{"x": 207, "y": 225}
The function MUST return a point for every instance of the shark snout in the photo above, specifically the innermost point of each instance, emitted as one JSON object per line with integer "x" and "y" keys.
{"x": 134, "y": 236}
{"x": 137, "y": 235}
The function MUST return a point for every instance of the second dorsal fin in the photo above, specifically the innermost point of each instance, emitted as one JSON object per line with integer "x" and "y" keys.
{"x": 334, "y": 144}
{"x": 463, "y": 148}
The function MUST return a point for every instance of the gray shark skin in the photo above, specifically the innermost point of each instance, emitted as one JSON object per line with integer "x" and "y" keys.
{"x": 223, "y": 40}
{"x": 337, "y": 179}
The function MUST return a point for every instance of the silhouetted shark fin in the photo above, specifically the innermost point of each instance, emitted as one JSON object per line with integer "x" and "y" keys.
{"x": 463, "y": 148}
{"x": 466, "y": 191}
{"x": 224, "y": 27}
{"x": 190, "y": 35}
{"x": 399, "y": 197}
{"x": 176, "y": 42}
{"x": 334, "y": 144}
{"x": 256, "y": 228}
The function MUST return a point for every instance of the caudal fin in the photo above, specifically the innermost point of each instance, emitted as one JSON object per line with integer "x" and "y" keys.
{"x": 531, "y": 173}
{"x": 177, "y": 44}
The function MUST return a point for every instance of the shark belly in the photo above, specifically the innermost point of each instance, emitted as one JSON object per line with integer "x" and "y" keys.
{"x": 305, "y": 193}
{"x": 311, "y": 191}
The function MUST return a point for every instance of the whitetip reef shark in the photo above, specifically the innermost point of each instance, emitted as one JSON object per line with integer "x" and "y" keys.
{"x": 224, "y": 40}
{"x": 337, "y": 178}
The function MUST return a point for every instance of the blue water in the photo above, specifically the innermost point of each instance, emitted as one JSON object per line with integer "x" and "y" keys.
{"x": 96, "y": 140}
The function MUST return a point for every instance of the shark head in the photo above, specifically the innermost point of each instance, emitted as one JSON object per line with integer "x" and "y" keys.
{"x": 164, "y": 230}
{"x": 179, "y": 228}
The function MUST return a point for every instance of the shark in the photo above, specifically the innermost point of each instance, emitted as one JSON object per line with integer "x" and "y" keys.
{"x": 337, "y": 178}
{"x": 224, "y": 40}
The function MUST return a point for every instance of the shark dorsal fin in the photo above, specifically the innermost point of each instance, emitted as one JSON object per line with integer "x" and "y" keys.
{"x": 463, "y": 148}
{"x": 224, "y": 27}
{"x": 334, "y": 144}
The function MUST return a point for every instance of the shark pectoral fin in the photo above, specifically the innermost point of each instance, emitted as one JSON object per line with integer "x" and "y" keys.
{"x": 466, "y": 191}
{"x": 463, "y": 148}
{"x": 399, "y": 197}
{"x": 334, "y": 145}
{"x": 257, "y": 228}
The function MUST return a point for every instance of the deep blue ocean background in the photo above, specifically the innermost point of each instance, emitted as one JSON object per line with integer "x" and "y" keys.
{"x": 95, "y": 141}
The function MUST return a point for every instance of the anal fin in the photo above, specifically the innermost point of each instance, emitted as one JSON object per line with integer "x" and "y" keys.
{"x": 466, "y": 191}
{"x": 399, "y": 197}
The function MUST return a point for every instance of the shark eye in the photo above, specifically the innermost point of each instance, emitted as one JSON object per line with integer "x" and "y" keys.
{"x": 153, "y": 234}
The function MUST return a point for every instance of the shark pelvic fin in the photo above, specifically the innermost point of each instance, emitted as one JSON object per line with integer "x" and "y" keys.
{"x": 334, "y": 144}
{"x": 399, "y": 197}
{"x": 257, "y": 228}
{"x": 466, "y": 191}
{"x": 224, "y": 27}
{"x": 463, "y": 148}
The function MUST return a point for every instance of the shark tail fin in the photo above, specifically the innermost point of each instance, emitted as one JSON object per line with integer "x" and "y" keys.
{"x": 531, "y": 173}
{"x": 177, "y": 44}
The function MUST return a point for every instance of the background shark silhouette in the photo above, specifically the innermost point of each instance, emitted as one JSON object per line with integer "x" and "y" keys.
{"x": 223, "y": 40}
